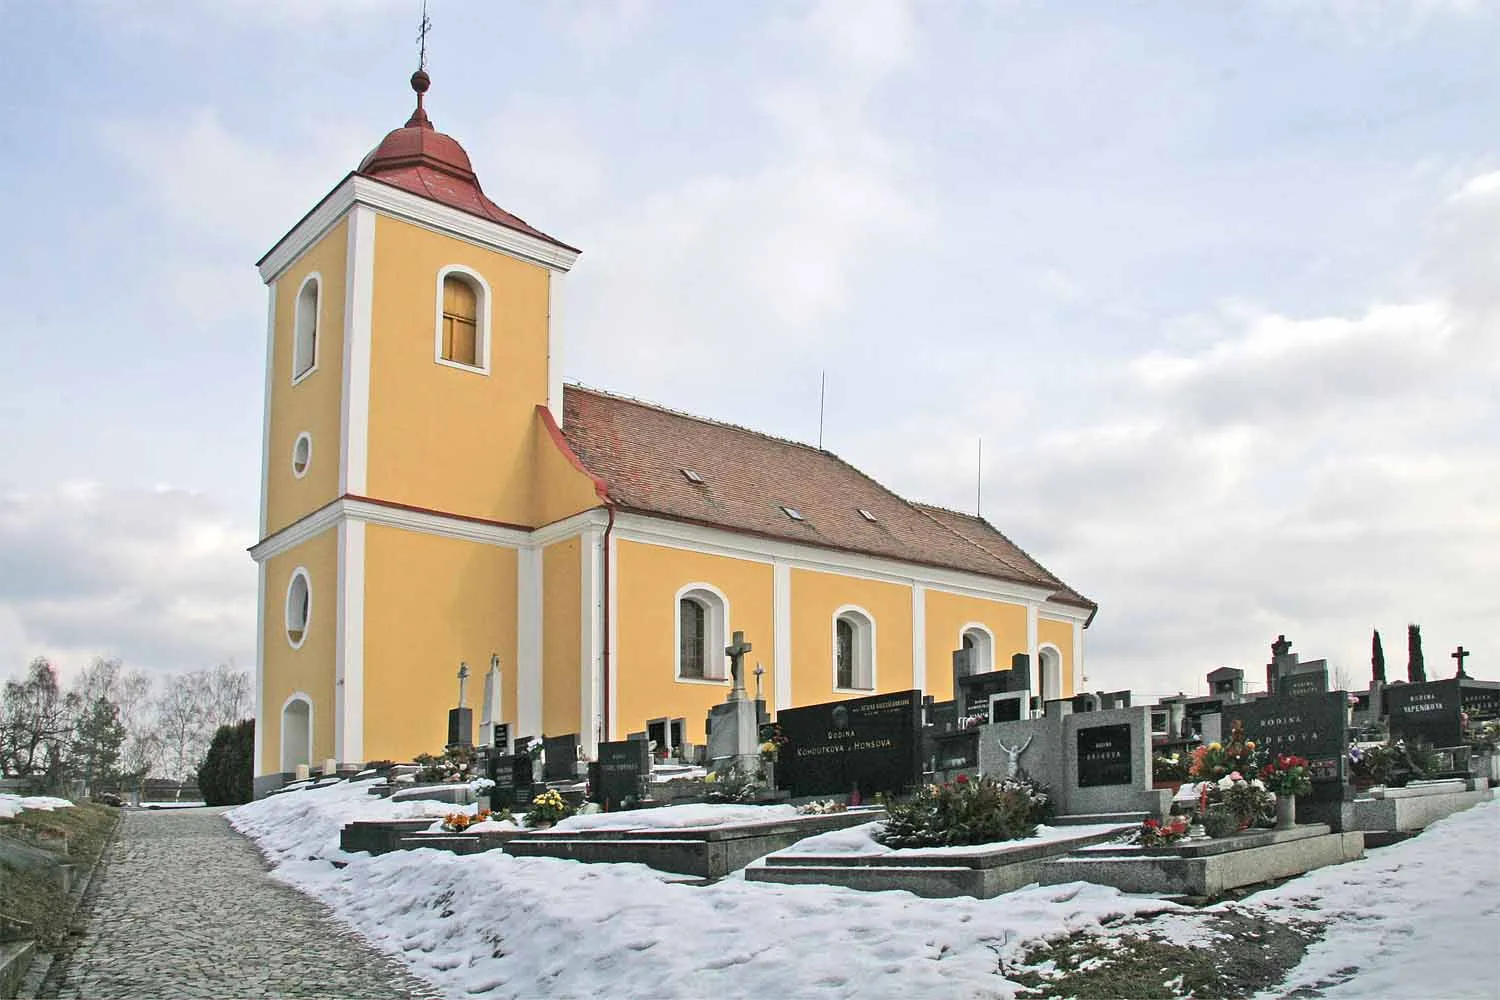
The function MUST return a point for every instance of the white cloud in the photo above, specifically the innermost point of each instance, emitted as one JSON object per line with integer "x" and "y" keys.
{"x": 158, "y": 577}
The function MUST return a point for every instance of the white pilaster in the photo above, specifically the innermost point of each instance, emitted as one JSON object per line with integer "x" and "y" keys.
{"x": 349, "y": 654}
{"x": 611, "y": 592}
{"x": 1031, "y": 650}
{"x": 265, "y": 428}
{"x": 359, "y": 298}
{"x": 555, "y": 331}
{"x": 781, "y": 633}
{"x": 1077, "y": 657}
{"x": 260, "y": 671}
{"x": 529, "y": 642}
{"x": 918, "y": 636}
{"x": 591, "y": 553}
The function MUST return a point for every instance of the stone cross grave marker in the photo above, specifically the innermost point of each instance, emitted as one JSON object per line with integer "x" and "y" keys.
{"x": 461, "y": 719}
{"x": 736, "y": 652}
{"x": 1460, "y": 654}
{"x": 759, "y": 670}
{"x": 463, "y": 679}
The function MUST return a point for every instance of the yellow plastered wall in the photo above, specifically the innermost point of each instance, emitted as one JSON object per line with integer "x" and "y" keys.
{"x": 314, "y": 403}
{"x": 442, "y": 438}
{"x": 562, "y": 638}
{"x": 648, "y": 579}
{"x": 1059, "y": 634}
{"x": 431, "y": 602}
{"x": 311, "y": 668}
{"x": 947, "y": 614}
{"x": 561, "y": 489}
{"x": 815, "y": 598}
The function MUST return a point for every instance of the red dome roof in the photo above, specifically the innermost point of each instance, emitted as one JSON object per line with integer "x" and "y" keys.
{"x": 424, "y": 161}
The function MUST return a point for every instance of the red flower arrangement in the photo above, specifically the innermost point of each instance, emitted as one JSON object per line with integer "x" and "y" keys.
{"x": 1154, "y": 833}
{"x": 1288, "y": 774}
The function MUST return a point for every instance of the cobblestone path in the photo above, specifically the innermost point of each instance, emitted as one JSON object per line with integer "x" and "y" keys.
{"x": 183, "y": 907}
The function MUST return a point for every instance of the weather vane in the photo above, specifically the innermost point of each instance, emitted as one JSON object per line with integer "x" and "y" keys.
{"x": 422, "y": 30}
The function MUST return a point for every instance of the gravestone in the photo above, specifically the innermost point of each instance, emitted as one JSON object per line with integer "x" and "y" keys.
{"x": 873, "y": 744}
{"x": 561, "y": 756}
{"x": 1227, "y": 683}
{"x": 461, "y": 719}
{"x": 1194, "y": 711}
{"x": 512, "y": 775}
{"x": 500, "y": 733}
{"x": 490, "y": 715}
{"x": 957, "y": 750}
{"x": 1104, "y": 756}
{"x": 1092, "y": 762}
{"x": 1426, "y": 712}
{"x": 1007, "y": 707}
{"x": 1313, "y": 726}
{"x": 734, "y": 724}
{"x": 1287, "y": 675}
{"x": 623, "y": 771}
{"x": 1481, "y": 701}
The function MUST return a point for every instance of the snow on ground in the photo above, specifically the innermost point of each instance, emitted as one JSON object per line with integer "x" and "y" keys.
{"x": 11, "y": 805}
{"x": 1418, "y": 919}
{"x": 861, "y": 840}
{"x": 692, "y": 816}
{"x": 1421, "y": 918}
{"x": 497, "y": 926}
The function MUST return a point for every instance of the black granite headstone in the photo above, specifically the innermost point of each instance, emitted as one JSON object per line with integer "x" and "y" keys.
{"x": 460, "y": 727}
{"x": 974, "y": 691}
{"x": 872, "y": 743}
{"x": 1304, "y": 683}
{"x": 512, "y": 775}
{"x": 561, "y": 753}
{"x": 501, "y": 738}
{"x": 1426, "y": 712}
{"x": 957, "y": 750}
{"x": 1313, "y": 726}
{"x": 1006, "y": 709}
{"x": 1104, "y": 756}
{"x": 1481, "y": 703}
{"x": 621, "y": 774}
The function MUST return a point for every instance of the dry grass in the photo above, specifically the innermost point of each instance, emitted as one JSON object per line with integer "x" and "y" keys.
{"x": 30, "y": 852}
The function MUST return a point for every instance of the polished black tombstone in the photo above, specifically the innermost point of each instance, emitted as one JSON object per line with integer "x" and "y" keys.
{"x": 872, "y": 744}
{"x": 561, "y": 756}
{"x": 1314, "y": 726}
{"x": 460, "y": 727}
{"x": 1104, "y": 756}
{"x": 1428, "y": 712}
{"x": 622, "y": 774}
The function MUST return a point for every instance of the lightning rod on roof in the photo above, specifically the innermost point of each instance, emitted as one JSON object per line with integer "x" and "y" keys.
{"x": 979, "y": 478}
{"x": 822, "y": 390}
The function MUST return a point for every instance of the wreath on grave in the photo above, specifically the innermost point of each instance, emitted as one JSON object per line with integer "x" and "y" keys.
{"x": 967, "y": 811}
{"x": 1155, "y": 833}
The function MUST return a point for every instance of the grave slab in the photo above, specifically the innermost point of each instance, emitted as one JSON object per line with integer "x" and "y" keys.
{"x": 1418, "y": 805}
{"x": 983, "y": 871}
{"x": 379, "y": 836}
{"x": 705, "y": 852}
{"x": 1208, "y": 868}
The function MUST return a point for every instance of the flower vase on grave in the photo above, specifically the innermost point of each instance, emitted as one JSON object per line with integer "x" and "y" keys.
{"x": 1286, "y": 812}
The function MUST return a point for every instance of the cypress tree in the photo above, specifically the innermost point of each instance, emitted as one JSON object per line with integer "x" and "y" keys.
{"x": 1377, "y": 660}
{"x": 1416, "y": 670}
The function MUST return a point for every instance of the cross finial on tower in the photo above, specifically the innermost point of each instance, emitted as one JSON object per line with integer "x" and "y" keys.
{"x": 422, "y": 30}
{"x": 420, "y": 81}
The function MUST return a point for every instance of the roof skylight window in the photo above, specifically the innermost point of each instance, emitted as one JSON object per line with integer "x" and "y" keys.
{"x": 866, "y": 515}
{"x": 692, "y": 477}
{"x": 792, "y": 512}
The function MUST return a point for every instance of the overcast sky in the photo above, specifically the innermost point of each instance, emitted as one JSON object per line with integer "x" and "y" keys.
{"x": 1217, "y": 283}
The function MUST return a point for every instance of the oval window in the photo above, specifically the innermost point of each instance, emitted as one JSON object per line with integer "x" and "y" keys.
{"x": 301, "y": 454}
{"x": 298, "y": 607}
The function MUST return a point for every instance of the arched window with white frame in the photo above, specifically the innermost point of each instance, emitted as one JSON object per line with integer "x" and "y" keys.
{"x": 1050, "y": 658}
{"x": 702, "y": 624}
{"x": 979, "y": 643}
{"x": 305, "y": 327}
{"x": 853, "y": 649}
{"x": 296, "y": 732}
{"x": 463, "y": 319}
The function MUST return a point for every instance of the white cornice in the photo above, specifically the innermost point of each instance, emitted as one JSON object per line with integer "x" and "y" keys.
{"x": 720, "y": 541}
{"x": 426, "y": 522}
{"x": 412, "y": 208}
{"x": 1062, "y": 613}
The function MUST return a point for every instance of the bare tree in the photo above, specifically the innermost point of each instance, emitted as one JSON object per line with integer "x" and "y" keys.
{"x": 227, "y": 695}
{"x": 180, "y": 724}
{"x": 34, "y": 723}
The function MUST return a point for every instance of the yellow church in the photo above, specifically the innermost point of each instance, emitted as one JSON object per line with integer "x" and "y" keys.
{"x": 432, "y": 492}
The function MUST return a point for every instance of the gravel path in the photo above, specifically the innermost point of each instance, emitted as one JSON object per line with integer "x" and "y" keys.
{"x": 183, "y": 906}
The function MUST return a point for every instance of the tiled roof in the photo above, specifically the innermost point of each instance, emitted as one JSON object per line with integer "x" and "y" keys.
{"x": 640, "y": 451}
